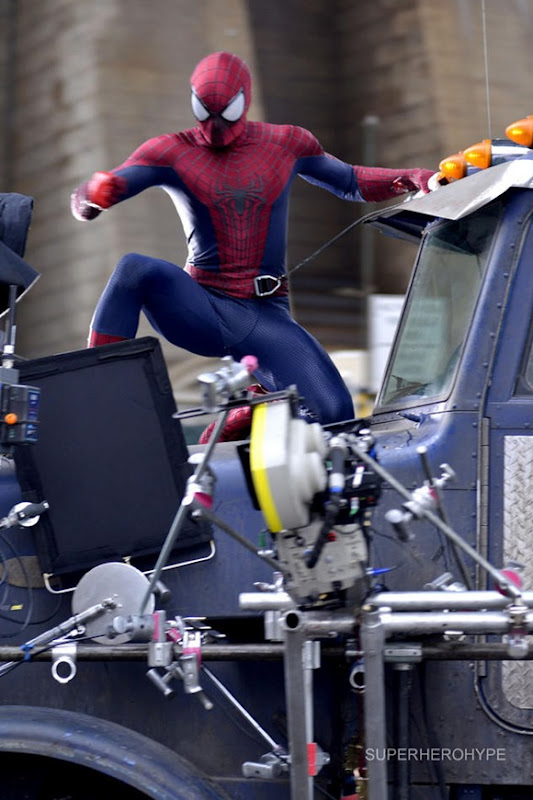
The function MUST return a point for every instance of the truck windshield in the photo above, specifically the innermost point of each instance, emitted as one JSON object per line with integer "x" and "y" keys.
{"x": 439, "y": 308}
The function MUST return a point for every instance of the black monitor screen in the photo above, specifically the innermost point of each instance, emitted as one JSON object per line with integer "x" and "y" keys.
{"x": 110, "y": 459}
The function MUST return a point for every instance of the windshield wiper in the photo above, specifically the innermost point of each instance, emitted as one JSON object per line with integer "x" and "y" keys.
{"x": 406, "y": 388}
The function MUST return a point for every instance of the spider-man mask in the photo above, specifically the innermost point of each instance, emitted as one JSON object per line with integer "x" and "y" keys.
{"x": 220, "y": 97}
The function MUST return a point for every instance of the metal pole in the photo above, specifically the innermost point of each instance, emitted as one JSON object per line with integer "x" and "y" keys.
{"x": 437, "y": 651}
{"x": 317, "y": 626}
{"x": 139, "y": 652}
{"x": 215, "y": 520}
{"x": 372, "y": 636}
{"x": 47, "y": 637}
{"x": 434, "y": 600}
{"x": 266, "y": 601}
{"x": 368, "y": 129}
{"x": 184, "y": 508}
{"x": 241, "y": 709}
{"x": 403, "y": 676}
{"x": 299, "y": 707}
{"x": 441, "y": 621}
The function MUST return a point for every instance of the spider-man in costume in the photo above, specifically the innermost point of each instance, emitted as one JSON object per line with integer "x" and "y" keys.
{"x": 230, "y": 179}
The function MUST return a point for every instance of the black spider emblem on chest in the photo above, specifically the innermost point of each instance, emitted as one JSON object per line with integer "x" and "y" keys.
{"x": 240, "y": 198}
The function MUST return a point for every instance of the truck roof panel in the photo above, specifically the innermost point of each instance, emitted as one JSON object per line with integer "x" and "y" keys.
{"x": 407, "y": 220}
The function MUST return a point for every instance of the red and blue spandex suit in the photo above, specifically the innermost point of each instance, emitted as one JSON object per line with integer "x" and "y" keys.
{"x": 230, "y": 179}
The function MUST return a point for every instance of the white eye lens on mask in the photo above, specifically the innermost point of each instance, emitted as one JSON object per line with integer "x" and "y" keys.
{"x": 198, "y": 109}
{"x": 235, "y": 108}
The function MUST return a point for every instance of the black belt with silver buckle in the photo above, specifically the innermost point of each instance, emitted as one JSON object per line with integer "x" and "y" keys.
{"x": 265, "y": 285}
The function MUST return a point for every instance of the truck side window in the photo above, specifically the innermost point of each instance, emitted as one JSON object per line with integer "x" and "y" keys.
{"x": 439, "y": 308}
{"x": 524, "y": 384}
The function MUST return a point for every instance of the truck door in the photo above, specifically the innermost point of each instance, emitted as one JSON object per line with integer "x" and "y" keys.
{"x": 505, "y": 689}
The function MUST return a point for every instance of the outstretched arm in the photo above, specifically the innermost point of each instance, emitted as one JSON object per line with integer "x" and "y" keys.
{"x": 366, "y": 184}
{"x": 145, "y": 167}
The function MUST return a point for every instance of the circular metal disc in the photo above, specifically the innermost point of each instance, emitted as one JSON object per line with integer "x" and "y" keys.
{"x": 120, "y": 582}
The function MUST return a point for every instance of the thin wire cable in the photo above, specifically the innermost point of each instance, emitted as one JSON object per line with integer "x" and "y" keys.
{"x": 327, "y": 244}
{"x": 486, "y": 56}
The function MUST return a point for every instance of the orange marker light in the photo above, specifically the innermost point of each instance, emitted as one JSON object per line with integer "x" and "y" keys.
{"x": 521, "y": 132}
{"x": 453, "y": 167}
{"x": 11, "y": 419}
{"x": 480, "y": 154}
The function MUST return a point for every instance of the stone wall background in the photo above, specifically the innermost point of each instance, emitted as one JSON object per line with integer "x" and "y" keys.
{"x": 82, "y": 84}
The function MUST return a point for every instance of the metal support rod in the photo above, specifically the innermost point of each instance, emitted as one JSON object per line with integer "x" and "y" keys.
{"x": 183, "y": 509}
{"x": 369, "y": 127}
{"x": 317, "y": 626}
{"x": 298, "y": 697}
{"x": 215, "y": 520}
{"x": 441, "y": 621}
{"x": 435, "y": 651}
{"x": 372, "y": 637}
{"x": 433, "y": 600}
{"x": 424, "y": 458}
{"x": 240, "y": 708}
{"x": 139, "y": 652}
{"x": 47, "y": 637}
{"x": 266, "y": 601}
{"x": 402, "y": 672}
{"x": 396, "y": 601}
{"x": 467, "y": 651}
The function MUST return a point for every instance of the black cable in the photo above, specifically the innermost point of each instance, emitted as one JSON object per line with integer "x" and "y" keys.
{"x": 494, "y": 716}
{"x": 389, "y": 537}
{"x": 435, "y": 766}
{"x": 327, "y": 244}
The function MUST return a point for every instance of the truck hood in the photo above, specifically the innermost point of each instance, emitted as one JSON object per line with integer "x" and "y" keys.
{"x": 408, "y": 219}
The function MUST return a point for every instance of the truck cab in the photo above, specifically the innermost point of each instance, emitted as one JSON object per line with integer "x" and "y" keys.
{"x": 458, "y": 380}
{"x": 458, "y": 389}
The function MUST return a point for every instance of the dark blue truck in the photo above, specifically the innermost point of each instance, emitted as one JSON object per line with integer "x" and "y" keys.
{"x": 339, "y": 612}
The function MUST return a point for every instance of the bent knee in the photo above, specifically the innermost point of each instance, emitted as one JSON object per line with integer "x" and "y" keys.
{"x": 135, "y": 270}
{"x": 336, "y": 409}
{"x": 133, "y": 262}
{"x": 330, "y": 405}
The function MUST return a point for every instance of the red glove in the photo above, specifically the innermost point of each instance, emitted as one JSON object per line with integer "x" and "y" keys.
{"x": 414, "y": 180}
{"x": 80, "y": 206}
{"x": 101, "y": 191}
{"x": 105, "y": 189}
{"x": 376, "y": 184}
